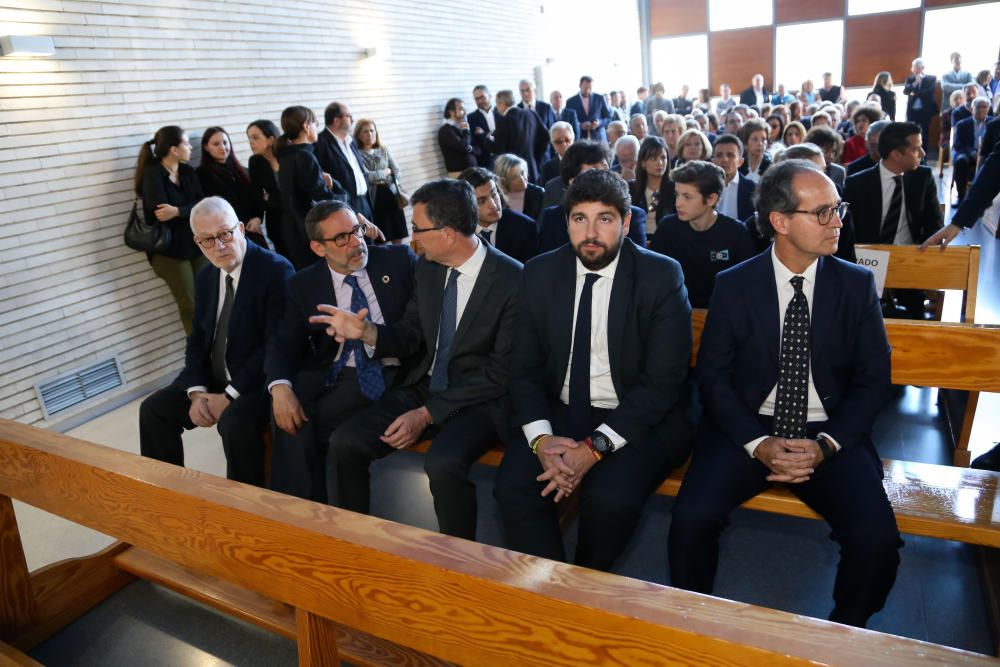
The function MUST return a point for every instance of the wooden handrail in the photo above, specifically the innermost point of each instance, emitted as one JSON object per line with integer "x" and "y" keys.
{"x": 457, "y": 600}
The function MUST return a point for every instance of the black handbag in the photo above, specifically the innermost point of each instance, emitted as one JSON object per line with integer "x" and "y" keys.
{"x": 144, "y": 236}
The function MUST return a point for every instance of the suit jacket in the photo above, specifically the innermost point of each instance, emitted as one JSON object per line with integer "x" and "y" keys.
{"x": 664, "y": 205}
{"x": 544, "y": 112}
{"x": 478, "y": 366}
{"x": 959, "y": 114}
{"x": 569, "y": 116}
{"x": 333, "y": 160}
{"x": 549, "y": 170}
{"x": 521, "y": 132}
{"x": 749, "y": 98}
{"x": 302, "y": 352}
{"x": 862, "y": 163}
{"x": 837, "y": 174}
{"x": 740, "y": 345}
{"x": 963, "y": 139}
{"x": 533, "y": 196}
{"x": 456, "y": 148}
{"x": 864, "y": 192}
{"x": 745, "y": 167}
{"x": 517, "y": 235}
{"x": 682, "y": 105}
{"x": 925, "y": 93}
{"x": 554, "y": 191}
{"x": 598, "y": 111}
{"x": 983, "y": 189}
{"x": 482, "y": 141}
{"x": 636, "y": 108}
{"x": 990, "y": 139}
{"x": 552, "y": 231}
{"x": 257, "y": 308}
{"x": 649, "y": 344}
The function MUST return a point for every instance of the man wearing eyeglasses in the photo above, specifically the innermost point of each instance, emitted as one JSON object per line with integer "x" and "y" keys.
{"x": 315, "y": 382}
{"x": 340, "y": 157}
{"x": 455, "y": 336}
{"x": 238, "y": 302}
{"x": 793, "y": 369}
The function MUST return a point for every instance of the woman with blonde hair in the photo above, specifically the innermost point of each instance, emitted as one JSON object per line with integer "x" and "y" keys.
{"x": 518, "y": 193}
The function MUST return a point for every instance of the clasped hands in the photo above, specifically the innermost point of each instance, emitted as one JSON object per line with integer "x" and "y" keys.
{"x": 206, "y": 408}
{"x": 564, "y": 463}
{"x": 789, "y": 460}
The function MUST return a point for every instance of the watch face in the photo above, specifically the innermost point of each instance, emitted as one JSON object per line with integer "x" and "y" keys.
{"x": 601, "y": 443}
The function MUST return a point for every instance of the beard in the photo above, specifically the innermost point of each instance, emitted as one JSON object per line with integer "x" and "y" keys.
{"x": 595, "y": 255}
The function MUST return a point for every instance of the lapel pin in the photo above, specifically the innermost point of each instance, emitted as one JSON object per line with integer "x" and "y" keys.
{"x": 385, "y": 279}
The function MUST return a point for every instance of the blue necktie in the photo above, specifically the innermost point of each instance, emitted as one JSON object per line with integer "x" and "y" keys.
{"x": 580, "y": 418}
{"x": 446, "y": 333}
{"x": 369, "y": 371}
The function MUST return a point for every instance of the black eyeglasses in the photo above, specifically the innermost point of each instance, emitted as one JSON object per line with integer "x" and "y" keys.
{"x": 824, "y": 216}
{"x": 342, "y": 239}
{"x": 209, "y": 242}
{"x": 417, "y": 230}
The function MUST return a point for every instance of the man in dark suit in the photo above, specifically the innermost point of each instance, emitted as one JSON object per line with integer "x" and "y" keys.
{"x": 520, "y": 132}
{"x": 510, "y": 232}
{"x": 483, "y": 123}
{"x": 563, "y": 114}
{"x": 641, "y": 93}
{"x": 871, "y": 156}
{"x": 830, "y": 92}
{"x": 598, "y": 387}
{"x": 458, "y": 330}
{"x": 315, "y": 382}
{"x": 591, "y": 109}
{"x": 793, "y": 369}
{"x": 682, "y": 103}
{"x": 238, "y": 303}
{"x": 921, "y": 106}
{"x": 530, "y": 103}
{"x": 737, "y": 194}
{"x": 990, "y": 141}
{"x": 756, "y": 95}
{"x": 582, "y": 156}
{"x": 561, "y": 138}
{"x": 340, "y": 157}
{"x": 967, "y": 137}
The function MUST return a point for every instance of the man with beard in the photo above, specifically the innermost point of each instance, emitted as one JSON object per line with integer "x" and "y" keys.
{"x": 597, "y": 381}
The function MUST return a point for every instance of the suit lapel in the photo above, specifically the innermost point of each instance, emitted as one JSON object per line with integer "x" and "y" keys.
{"x": 563, "y": 300}
{"x": 621, "y": 298}
{"x": 823, "y": 306}
{"x": 430, "y": 305}
{"x": 378, "y": 276}
{"x": 480, "y": 292}
{"x": 766, "y": 308}
{"x": 243, "y": 298}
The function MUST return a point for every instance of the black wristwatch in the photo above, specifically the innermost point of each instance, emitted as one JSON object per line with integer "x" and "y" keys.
{"x": 601, "y": 443}
{"x": 825, "y": 447}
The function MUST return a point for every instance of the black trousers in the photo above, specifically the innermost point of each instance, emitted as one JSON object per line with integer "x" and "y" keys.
{"x": 612, "y": 495}
{"x": 962, "y": 169}
{"x": 457, "y": 444}
{"x": 846, "y": 491}
{"x": 298, "y": 462}
{"x": 164, "y": 416}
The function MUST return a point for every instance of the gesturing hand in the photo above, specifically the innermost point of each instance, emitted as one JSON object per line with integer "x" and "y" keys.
{"x": 341, "y": 323}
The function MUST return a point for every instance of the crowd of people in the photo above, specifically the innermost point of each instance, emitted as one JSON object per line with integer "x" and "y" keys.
{"x": 550, "y": 307}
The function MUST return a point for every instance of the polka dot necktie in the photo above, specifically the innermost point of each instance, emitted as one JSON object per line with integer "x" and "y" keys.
{"x": 792, "y": 403}
{"x": 370, "y": 379}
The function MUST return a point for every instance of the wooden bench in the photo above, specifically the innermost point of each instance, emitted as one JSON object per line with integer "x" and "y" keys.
{"x": 358, "y": 588}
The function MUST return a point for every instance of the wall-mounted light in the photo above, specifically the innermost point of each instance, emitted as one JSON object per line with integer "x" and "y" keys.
{"x": 26, "y": 45}
{"x": 370, "y": 52}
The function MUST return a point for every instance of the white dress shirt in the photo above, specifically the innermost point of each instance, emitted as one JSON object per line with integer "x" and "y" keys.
{"x": 467, "y": 275}
{"x": 230, "y": 389}
{"x": 360, "y": 180}
{"x": 729, "y": 201}
{"x": 782, "y": 278}
{"x": 602, "y": 388}
{"x": 492, "y": 229}
{"x": 491, "y": 121}
{"x": 903, "y": 236}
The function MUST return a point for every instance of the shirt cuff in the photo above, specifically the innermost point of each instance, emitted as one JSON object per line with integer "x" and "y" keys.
{"x": 829, "y": 438}
{"x": 276, "y": 383}
{"x": 536, "y": 428}
{"x": 369, "y": 350}
{"x": 751, "y": 446}
{"x": 191, "y": 390}
{"x": 613, "y": 436}
{"x": 231, "y": 391}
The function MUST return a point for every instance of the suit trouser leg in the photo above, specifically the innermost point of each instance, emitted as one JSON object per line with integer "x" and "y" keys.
{"x": 163, "y": 417}
{"x": 960, "y": 174}
{"x": 241, "y": 427}
{"x": 355, "y": 444}
{"x": 455, "y": 447}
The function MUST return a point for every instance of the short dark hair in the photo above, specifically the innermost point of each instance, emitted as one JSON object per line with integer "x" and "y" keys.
{"x": 581, "y": 153}
{"x": 775, "y": 192}
{"x": 449, "y": 107}
{"x": 600, "y": 185}
{"x": 754, "y": 125}
{"x": 450, "y": 203}
{"x": 729, "y": 139}
{"x": 895, "y": 136}
{"x": 477, "y": 176}
{"x": 825, "y": 137}
{"x": 586, "y": 79}
{"x": 707, "y": 177}
{"x": 320, "y": 212}
{"x": 333, "y": 111}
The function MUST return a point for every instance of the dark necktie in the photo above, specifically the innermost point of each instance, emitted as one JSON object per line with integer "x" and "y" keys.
{"x": 370, "y": 379}
{"x": 446, "y": 333}
{"x": 221, "y": 333}
{"x": 579, "y": 365}
{"x": 486, "y": 235}
{"x": 891, "y": 222}
{"x": 792, "y": 403}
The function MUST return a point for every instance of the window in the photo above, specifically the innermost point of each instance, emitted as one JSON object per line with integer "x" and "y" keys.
{"x": 729, "y": 14}
{"x": 806, "y": 50}
{"x": 940, "y": 28}
{"x": 680, "y": 60}
{"x": 859, "y": 7}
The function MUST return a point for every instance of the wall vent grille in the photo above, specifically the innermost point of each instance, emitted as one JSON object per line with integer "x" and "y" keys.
{"x": 75, "y": 387}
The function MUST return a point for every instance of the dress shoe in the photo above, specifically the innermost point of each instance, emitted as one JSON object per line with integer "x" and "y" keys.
{"x": 988, "y": 461}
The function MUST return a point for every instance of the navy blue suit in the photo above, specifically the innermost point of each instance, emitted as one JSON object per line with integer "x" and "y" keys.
{"x": 649, "y": 346}
{"x": 983, "y": 190}
{"x": 744, "y": 199}
{"x": 521, "y": 132}
{"x": 544, "y": 112}
{"x": 303, "y": 353}
{"x": 552, "y": 231}
{"x": 864, "y": 192}
{"x": 516, "y": 236}
{"x": 598, "y": 111}
{"x": 571, "y": 117}
{"x": 334, "y": 162}
{"x": 481, "y": 139}
{"x": 964, "y": 153}
{"x": 257, "y": 308}
{"x": 737, "y": 369}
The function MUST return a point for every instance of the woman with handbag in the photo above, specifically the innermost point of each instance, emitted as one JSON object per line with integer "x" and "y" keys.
{"x": 389, "y": 200}
{"x": 169, "y": 187}
{"x": 221, "y": 175}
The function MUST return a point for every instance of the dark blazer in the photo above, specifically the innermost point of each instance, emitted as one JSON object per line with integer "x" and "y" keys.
{"x": 544, "y": 112}
{"x": 157, "y": 188}
{"x": 925, "y": 93}
{"x": 302, "y": 352}
{"x": 552, "y": 231}
{"x": 569, "y": 116}
{"x": 990, "y": 139}
{"x": 554, "y": 191}
{"x": 983, "y": 189}
{"x": 682, "y": 105}
{"x": 862, "y": 163}
{"x": 649, "y": 343}
{"x": 959, "y": 114}
{"x": 636, "y": 108}
{"x": 533, "y": 197}
{"x": 257, "y": 309}
{"x": 744, "y": 199}
{"x": 888, "y": 99}
{"x": 521, "y": 132}
{"x": 549, "y": 170}
{"x": 738, "y": 357}
{"x": 264, "y": 192}
{"x": 300, "y": 179}
{"x": 482, "y": 142}
{"x": 664, "y": 206}
{"x": 745, "y": 167}
{"x": 963, "y": 139}
{"x": 748, "y": 97}
{"x": 864, "y": 192}
{"x": 334, "y": 162}
{"x": 456, "y": 147}
{"x": 517, "y": 235}
{"x": 219, "y": 181}
{"x": 479, "y": 365}
{"x": 598, "y": 111}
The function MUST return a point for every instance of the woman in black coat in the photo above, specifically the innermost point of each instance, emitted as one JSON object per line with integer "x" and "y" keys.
{"x": 221, "y": 175}
{"x": 454, "y": 139}
{"x": 263, "y": 167}
{"x": 883, "y": 88}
